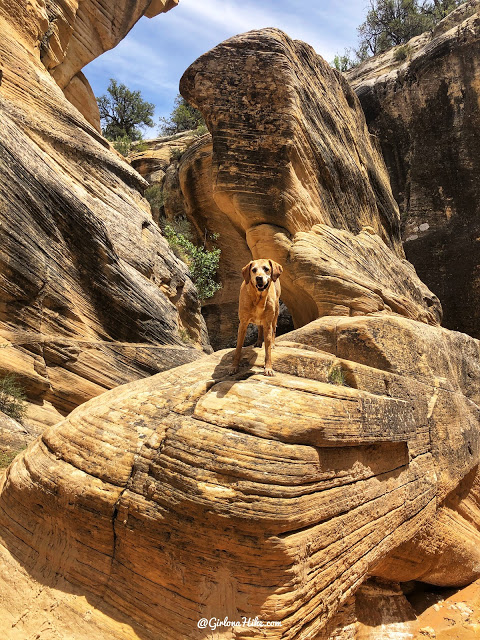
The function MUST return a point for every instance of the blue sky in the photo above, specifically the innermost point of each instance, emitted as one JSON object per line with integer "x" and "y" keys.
{"x": 156, "y": 52}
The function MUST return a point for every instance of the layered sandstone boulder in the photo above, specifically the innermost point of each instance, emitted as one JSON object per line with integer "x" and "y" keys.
{"x": 289, "y": 171}
{"x": 423, "y": 109}
{"x": 91, "y": 296}
{"x": 247, "y": 496}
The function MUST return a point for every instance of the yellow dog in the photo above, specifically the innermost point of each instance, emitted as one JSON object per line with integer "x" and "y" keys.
{"x": 259, "y": 304}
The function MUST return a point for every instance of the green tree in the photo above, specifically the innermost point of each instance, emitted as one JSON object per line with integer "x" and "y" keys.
{"x": 439, "y": 9}
{"x": 122, "y": 112}
{"x": 184, "y": 117}
{"x": 345, "y": 62}
{"x": 391, "y": 23}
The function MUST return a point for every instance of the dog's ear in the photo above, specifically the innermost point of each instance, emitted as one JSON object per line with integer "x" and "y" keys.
{"x": 246, "y": 272}
{"x": 277, "y": 270}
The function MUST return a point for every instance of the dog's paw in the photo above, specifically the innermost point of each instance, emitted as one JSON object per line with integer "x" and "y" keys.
{"x": 268, "y": 371}
{"x": 233, "y": 370}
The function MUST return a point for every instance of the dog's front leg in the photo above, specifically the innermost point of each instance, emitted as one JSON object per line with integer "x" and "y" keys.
{"x": 260, "y": 336}
{"x": 242, "y": 332}
{"x": 268, "y": 332}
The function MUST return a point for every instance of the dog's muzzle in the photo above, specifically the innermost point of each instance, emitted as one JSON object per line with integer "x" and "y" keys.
{"x": 260, "y": 284}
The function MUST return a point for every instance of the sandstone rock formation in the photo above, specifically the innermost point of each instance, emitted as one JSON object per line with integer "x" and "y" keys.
{"x": 90, "y": 294}
{"x": 13, "y": 435}
{"x": 79, "y": 92}
{"x": 310, "y": 192}
{"x": 295, "y": 174}
{"x": 424, "y": 112}
{"x": 382, "y": 611}
{"x": 153, "y": 158}
{"x": 218, "y": 496}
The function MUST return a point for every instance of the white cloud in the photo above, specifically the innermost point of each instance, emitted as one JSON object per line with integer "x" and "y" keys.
{"x": 135, "y": 64}
{"x": 324, "y": 26}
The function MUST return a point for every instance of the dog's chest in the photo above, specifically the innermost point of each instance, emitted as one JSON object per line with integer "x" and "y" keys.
{"x": 259, "y": 313}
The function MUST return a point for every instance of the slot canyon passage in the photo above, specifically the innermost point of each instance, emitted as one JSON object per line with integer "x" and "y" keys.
{"x": 148, "y": 502}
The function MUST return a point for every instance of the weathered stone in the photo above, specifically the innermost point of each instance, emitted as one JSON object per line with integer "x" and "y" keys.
{"x": 196, "y": 494}
{"x": 216, "y": 496}
{"x": 264, "y": 198}
{"x": 424, "y": 112}
{"x": 90, "y": 294}
{"x": 383, "y": 612}
{"x": 79, "y": 92}
{"x": 79, "y": 31}
{"x": 13, "y": 435}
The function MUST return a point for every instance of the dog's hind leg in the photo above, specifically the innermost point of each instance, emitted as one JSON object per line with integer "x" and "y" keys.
{"x": 260, "y": 336}
{"x": 242, "y": 332}
{"x": 274, "y": 326}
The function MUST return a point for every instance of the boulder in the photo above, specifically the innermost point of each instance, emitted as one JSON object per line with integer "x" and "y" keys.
{"x": 288, "y": 172}
{"x": 216, "y": 496}
{"x": 423, "y": 110}
{"x": 79, "y": 92}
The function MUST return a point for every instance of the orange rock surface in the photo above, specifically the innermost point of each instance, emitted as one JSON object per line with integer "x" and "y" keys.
{"x": 90, "y": 294}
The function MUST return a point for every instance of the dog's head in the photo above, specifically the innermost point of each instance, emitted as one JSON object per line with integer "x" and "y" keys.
{"x": 261, "y": 272}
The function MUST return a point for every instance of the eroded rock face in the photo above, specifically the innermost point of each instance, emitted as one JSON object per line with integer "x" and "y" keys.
{"x": 90, "y": 294}
{"x": 424, "y": 111}
{"x": 296, "y": 176}
{"x": 216, "y": 496}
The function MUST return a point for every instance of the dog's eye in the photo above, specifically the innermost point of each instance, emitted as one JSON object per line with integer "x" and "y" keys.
{"x": 254, "y": 270}
{"x": 267, "y": 270}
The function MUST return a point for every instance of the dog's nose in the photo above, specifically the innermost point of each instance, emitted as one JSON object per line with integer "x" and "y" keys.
{"x": 259, "y": 280}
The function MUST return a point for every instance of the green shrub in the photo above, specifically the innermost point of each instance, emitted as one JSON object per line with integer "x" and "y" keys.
{"x": 7, "y": 455}
{"x": 345, "y": 62}
{"x": 402, "y": 53}
{"x": 184, "y": 117}
{"x": 12, "y": 397}
{"x": 176, "y": 154}
{"x": 201, "y": 130}
{"x": 336, "y": 376}
{"x": 123, "y": 144}
{"x": 155, "y": 196}
{"x": 202, "y": 263}
{"x": 184, "y": 336}
{"x": 139, "y": 147}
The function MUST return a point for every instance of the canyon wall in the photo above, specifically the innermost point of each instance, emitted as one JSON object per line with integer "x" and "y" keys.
{"x": 90, "y": 294}
{"x": 424, "y": 112}
{"x": 78, "y": 31}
